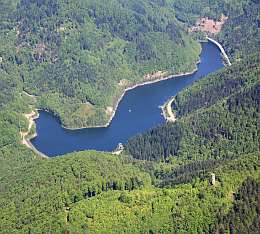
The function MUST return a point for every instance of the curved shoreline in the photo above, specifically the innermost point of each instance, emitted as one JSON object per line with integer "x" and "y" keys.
{"x": 221, "y": 49}
{"x": 31, "y": 146}
{"x": 133, "y": 87}
{"x": 26, "y": 140}
{"x": 25, "y": 135}
{"x": 167, "y": 112}
{"x": 152, "y": 78}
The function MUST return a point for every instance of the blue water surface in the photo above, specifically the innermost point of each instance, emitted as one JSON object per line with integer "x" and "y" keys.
{"x": 137, "y": 112}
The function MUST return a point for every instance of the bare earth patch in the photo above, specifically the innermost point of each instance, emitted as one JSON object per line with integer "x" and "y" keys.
{"x": 167, "y": 112}
{"x": 109, "y": 110}
{"x": 123, "y": 83}
{"x": 30, "y": 117}
{"x": 209, "y": 25}
{"x": 155, "y": 75}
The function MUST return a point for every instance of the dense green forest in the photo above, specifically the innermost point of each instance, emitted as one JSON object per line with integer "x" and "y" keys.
{"x": 77, "y": 57}
{"x": 246, "y": 204}
{"x": 100, "y": 193}
{"x": 240, "y": 35}
{"x": 189, "y": 11}
{"x": 72, "y": 56}
{"x": 218, "y": 117}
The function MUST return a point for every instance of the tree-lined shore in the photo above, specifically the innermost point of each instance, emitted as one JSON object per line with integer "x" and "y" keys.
{"x": 163, "y": 182}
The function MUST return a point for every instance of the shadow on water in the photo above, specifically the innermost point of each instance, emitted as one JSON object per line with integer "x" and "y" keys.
{"x": 137, "y": 112}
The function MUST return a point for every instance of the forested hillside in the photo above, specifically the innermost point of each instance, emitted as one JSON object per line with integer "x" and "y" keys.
{"x": 241, "y": 35}
{"x": 100, "y": 193}
{"x": 103, "y": 193}
{"x": 189, "y": 11}
{"x": 73, "y": 55}
{"x": 246, "y": 204}
{"x": 189, "y": 208}
{"x": 218, "y": 117}
{"x": 78, "y": 56}
{"x": 38, "y": 195}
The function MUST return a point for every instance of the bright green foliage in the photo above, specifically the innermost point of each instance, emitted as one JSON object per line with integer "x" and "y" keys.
{"x": 100, "y": 193}
{"x": 42, "y": 191}
{"x": 244, "y": 217}
{"x": 189, "y": 208}
{"x": 73, "y": 54}
{"x": 240, "y": 34}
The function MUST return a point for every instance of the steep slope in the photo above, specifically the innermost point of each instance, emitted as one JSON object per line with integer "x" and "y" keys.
{"x": 102, "y": 193}
{"x": 61, "y": 51}
{"x": 189, "y": 208}
{"x": 190, "y": 11}
{"x": 217, "y": 117}
{"x": 37, "y": 195}
{"x": 245, "y": 213}
{"x": 241, "y": 35}
{"x": 79, "y": 56}
{"x": 84, "y": 193}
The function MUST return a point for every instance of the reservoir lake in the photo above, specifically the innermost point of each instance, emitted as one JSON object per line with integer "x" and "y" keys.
{"x": 138, "y": 111}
